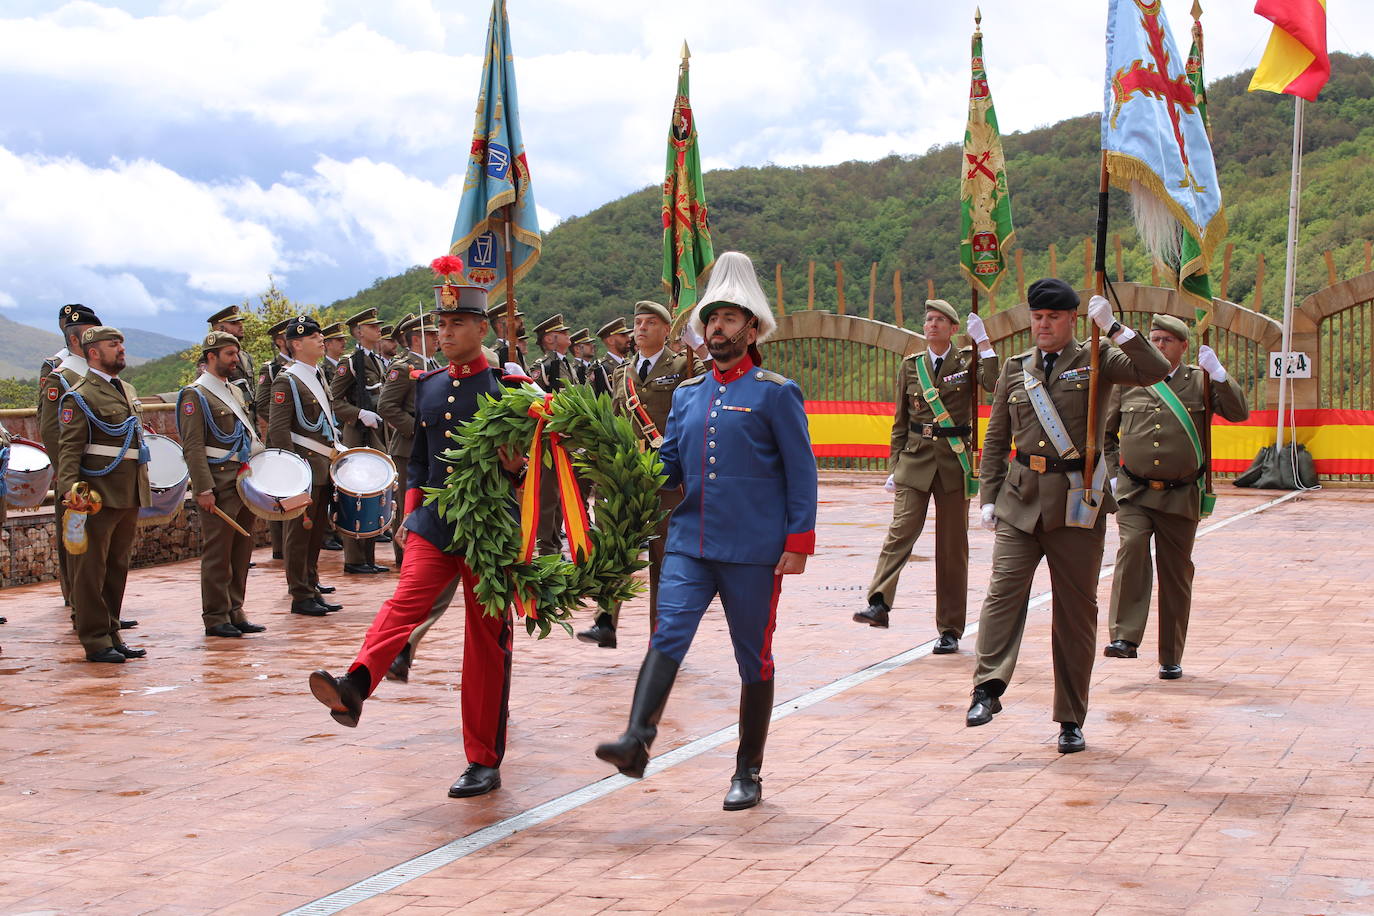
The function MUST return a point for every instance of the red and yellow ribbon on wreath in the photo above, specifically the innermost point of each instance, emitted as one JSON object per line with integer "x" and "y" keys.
{"x": 575, "y": 521}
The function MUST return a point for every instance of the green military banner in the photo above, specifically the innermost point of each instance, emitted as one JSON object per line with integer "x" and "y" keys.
{"x": 687, "y": 251}
{"x": 985, "y": 226}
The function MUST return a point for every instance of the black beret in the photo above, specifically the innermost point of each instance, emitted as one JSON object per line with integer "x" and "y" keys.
{"x": 1052, "y": 293}
{"x": 75, "y": 313}
{"x": 301, "y": 326}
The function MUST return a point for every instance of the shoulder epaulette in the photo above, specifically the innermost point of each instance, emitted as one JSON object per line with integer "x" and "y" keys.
{"x": 431, "y": 372}
{"x": 1024, "y": 353}
{"x": 694, "y": 380}
{"x": 767, "y": 376}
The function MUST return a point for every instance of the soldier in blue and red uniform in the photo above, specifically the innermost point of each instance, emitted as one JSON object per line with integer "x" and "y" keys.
{"x": 737, "y": 443}
{"x": 444, "y": 399}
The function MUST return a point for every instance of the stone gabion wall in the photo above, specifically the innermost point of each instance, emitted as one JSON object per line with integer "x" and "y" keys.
{"x": 28, "y": 547}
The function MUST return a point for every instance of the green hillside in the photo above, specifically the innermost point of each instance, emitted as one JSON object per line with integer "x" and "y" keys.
{"x": 903, "y": 213}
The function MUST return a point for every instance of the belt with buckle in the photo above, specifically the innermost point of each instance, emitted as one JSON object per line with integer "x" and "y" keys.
{"x": 1156, "y": 484}
{"x": 1042, "y": 465}
{"x": 936, "y": 431}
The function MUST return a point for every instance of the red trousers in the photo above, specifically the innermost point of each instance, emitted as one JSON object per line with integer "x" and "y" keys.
{"x": 485, "y": 684}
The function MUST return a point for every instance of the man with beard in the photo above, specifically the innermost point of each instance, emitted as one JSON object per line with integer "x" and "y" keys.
{"x": 737, "y": 443}
{"x": 616, "y": 337}
{"x": 444, "y": 399}
{"x": 217, "y": 437}
{"x": 101, "y": 446}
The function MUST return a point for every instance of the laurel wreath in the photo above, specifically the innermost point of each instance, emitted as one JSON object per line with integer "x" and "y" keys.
{"x": 607, "y": 455}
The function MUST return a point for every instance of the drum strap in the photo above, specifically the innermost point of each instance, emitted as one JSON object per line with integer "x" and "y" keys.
{"x": 314, "y": 446}
{"x": 128, "y": 429}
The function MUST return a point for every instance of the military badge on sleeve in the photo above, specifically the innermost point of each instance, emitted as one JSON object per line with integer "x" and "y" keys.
{"x": 393, "y": 375}
{"x": 52, "y": 394}
{"x": 279, "y": 397}
{"x": 189, "y": 408}
{"x": 66, "y": 415}
{"x": 343, "y": 369}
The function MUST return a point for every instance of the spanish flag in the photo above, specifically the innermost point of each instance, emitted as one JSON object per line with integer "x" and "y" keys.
{"x": 1295, "y": 61}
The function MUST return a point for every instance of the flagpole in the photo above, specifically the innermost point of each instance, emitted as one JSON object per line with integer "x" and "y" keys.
{"x": 1290, "y": 266}
{"x": 1207, "y": 331}
{"x": 1100, "y": 283}
{"x": 512, "y": 349}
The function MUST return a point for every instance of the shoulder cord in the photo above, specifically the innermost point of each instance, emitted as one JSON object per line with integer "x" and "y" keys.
{"x": 128, "y": 429}
{"x": 239, "y": 442}
{"x": 321, "y": 425}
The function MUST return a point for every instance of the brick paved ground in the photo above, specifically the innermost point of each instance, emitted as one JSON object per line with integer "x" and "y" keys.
{"x": 206, "y": 779}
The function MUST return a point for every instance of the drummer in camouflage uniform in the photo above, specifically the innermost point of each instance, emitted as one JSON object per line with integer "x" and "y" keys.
{"x": 217, "y": 437}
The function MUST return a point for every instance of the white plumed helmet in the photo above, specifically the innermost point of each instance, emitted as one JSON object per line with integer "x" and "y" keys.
{"x": 733, "y": 282}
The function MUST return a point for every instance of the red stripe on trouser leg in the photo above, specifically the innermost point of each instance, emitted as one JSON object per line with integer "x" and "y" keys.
{"x": 486, "y": 678}
{"x": 766, "y": 668}
{"x": 425, "y": 572}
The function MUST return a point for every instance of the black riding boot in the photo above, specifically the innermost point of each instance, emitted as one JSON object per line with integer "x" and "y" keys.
{"x": 755, "y": 712}
{"x": 630, "y": 754}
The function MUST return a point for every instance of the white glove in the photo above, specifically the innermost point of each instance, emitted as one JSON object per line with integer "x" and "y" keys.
{"x": 890, "y": 485}
{"x": 1100, "y": 311}
{"x": 1115, "y": 482}
{"x": 989, "y": 521}
{"x": 368, "y": 419}
{"x": 690, "y": 336}
{"x": 1207, "y": 359}
{"x": 976, "y": 329}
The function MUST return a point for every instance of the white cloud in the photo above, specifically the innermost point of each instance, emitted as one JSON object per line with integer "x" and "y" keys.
{"x": 7, "y": 301}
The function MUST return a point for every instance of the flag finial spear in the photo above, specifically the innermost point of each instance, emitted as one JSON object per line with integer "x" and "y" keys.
{"x": 1197, "y": 10}
{"x": 977, "y": 15}
{"x": 686, "y": 53}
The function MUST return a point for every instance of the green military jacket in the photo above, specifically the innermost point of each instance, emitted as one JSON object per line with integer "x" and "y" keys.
{"x": 923, "y": 463}
{"x": 126, "y": 486}
{"x": 1145, "y": 436}
{"x": 262, "y": 395}
{"x": 192, "y": 423}
{"x": 397, "y": 404}
{"x": 50, "y": 391}
{"x": 656, "y": 391}
{"x": 343, "y": 392}
{"x": 285, "y": 428}
{"x": 1024, "y": 497}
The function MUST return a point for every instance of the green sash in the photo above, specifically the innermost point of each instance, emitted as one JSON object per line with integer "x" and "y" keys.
{"x": 931, "y": 394}
{"x": 1206, "y": 501}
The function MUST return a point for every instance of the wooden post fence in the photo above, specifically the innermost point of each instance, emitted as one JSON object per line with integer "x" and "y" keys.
{"x": 839, "y": 288}
{"x": 897, "y": 299}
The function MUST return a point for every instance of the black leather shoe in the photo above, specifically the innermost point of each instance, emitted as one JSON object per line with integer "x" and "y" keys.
{"x": 111, "y": 655}
{"x": 358, "y": 569}
{"x": 130, "y": 653}
{"x": 399, "y": 670}
{"x": 128, "y": 624}
{"x": 250, "y": 627}
{"x": 476, "y": 780}
{"x": 276, "y": 554}
{"x": 746, "y": 791}
{"x": 328, "y": 606}
{"x": 331, "y": 543}
{"x": 384, "y": 537}
{"x": 310, "y": 607}
{"x": 4, "y": 620}
{"x": 1119, "y": 648}
{"x": 602, "y": 632}
{"x": 343, "y": 695}
{"x": 983, "y": 708}
{"x": 325, "y": 589}
{"x": 875, "y": 615}
{"x": 379, "y": 569}
{"x": 1071, "y": 738}
{"x": 947, "y": 644}
{"x": 1170, "y": 672}
{"x": 223, "y": 629}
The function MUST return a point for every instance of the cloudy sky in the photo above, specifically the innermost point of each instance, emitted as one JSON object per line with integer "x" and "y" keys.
{"x": 161, "y": 158}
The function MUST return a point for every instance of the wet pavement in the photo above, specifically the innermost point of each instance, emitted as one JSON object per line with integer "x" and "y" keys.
{"x": 205, "y": 778}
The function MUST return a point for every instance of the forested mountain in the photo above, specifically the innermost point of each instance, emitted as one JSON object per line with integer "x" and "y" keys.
{"x": 902, "y": 212}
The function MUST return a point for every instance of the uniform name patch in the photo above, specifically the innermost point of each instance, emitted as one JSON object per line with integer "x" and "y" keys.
{"x": 66, "y": 415}
{"x": 279, "y": 397}
{"x": 52, "y": 394}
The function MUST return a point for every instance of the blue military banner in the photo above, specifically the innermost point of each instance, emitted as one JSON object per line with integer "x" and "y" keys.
{"x": 1154, "y": 137}
{"x": 498, "y": 174}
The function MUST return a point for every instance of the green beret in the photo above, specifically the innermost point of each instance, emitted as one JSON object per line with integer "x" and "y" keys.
{"x": 100, "y": 332}
{"x": 944, "y": 308}
{"x": 216, "y": 339}
{"x": 645, "y": 307}
{"x": 1170, "y": 325}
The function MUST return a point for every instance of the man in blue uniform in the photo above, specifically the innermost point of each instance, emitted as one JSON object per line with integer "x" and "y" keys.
{"x": 444, "y": 399}
{"x": 737, "y": 443}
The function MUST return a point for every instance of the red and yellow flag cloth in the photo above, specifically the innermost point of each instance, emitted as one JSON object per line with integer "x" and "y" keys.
{"x": 1295, "y": 62}
{"x": 576, "y": 524}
